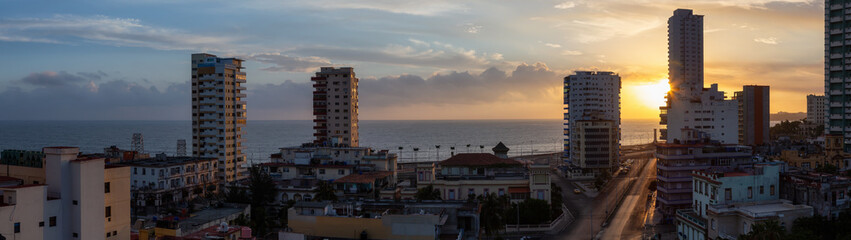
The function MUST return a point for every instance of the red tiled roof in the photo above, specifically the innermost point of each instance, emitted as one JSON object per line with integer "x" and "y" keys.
{"x": 25, "y": 186}
{"x": 477, "y": 159}
{"x": 519, "y": 190}
{"x": 366, "y": 177}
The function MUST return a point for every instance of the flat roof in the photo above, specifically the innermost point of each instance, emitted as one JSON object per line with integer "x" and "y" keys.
{"x": 167, "y": 161}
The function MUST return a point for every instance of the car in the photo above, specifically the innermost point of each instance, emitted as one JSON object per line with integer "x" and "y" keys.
{"x": 577, "y": 191}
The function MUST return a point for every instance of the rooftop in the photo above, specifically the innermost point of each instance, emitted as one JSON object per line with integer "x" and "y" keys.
{"x": 165, "y": 161}
{"x": 477, "y": 159}
{"x": 367, "y": 177}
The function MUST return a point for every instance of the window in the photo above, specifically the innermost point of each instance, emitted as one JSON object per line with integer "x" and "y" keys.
{"x": 321, "y": 171}
{"x": 135, "y": 171}
{"x": 771, "y": 190}
{"x": 501, "y": 191}
{"x": 17, "y": 227}
{"x": 52, "y": 222}
{"x": 761, "y": 190}
{"x": 74, "y": 235}
{"x": 750, "y": 192}
{"x": 74, "y": 202}
{"x": 108, "y": 211}
{"x": 728, "y": 194}
{"x": 451, "y": 194}
{"x": 471, "y": 191}
{"x": 341, "y": 171}
{"x": 41, "y": 224}
{"x": 106, "y": 187}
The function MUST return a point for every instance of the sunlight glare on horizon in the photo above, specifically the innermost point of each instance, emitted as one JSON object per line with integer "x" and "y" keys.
{"x": 652, "y": 94}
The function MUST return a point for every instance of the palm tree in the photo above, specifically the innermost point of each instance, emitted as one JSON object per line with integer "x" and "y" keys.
{"x": 325, "y": 192}
{"x": 768, "y": 230}
{"x": 427, "y": 193}
{"x": 493, "y": 212}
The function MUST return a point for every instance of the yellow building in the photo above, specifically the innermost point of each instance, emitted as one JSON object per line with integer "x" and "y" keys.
{"x": 833, "y": 154}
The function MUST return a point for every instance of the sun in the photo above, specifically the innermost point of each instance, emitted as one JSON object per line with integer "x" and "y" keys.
{"x": 652, "y": 94}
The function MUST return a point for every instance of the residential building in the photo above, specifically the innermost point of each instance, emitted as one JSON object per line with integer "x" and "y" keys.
{"x": 474, "y": 174}
{"x": 356, "y": 172}
{"x": 833, "y": 154}
{"x": 164, "y": 181}
{"x": 594, "y": 99}
{"x": 815, "y": 109}
{"x": 836, "y": 75}
{"x": 197, "y": 224}
{"x": 826, "y": 193}
{"x": 113, "y": 154}
{"x": 685, "y": 54}
{"x": 218, "y": 114}
{"x": 385, "y": 220}
{"x": 81, "y": 180}
{"x": 754, "y": 115}
{"x": 22, "y": 158}
{"x": 728, "y": 202}
{"x": 676, "y": 161}
{"x": 689, "y": 105}
{"x": 335, "y": 107}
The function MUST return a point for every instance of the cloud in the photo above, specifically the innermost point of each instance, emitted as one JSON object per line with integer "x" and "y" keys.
{"x": 552, "y": 45}
{"x": 112, "y": 99}
{"x": 435, "y": 54}
{"x": 72, "y": 29}
{"x": 472, "y": 28}
{"x": 607, "y": 27}
{"x": 767, "y": 40}
{"x": 531, "y": 83}
{"x": 571, "y": 53}
{"x": 565, "y": 5}
{"x": 284, "y": 63}
{"x": 49, "y": 78}
{"x": 419, "y": 8}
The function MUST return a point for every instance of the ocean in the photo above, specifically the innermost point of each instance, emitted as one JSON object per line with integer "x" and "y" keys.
{"x": 263, "y": 138}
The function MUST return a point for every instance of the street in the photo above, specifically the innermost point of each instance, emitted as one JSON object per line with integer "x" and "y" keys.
{"x": 591, "y": 211}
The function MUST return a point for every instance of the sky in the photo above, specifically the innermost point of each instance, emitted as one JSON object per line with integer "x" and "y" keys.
{"x": 437, "y": 59}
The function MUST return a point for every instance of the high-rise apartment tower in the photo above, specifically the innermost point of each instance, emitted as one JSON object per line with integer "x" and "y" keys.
{"x": 335, "y": 107}
{"x": 218, "y": 114}
{"x": 592, "y": 120}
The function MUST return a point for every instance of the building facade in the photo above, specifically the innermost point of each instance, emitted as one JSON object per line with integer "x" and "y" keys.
{"x": 826, "y": 193}
{"x": 728, "y": 202}
{"x": 836, "y": 74}
{"x": 594, "y": 98}
{"x": 689, "y": 105}
{"x": 815, "y": 108}
{"x": 163, "y": 180}
{"x": 335, "y": 107}
{"x": 219, "y": 114}
{"x": 753, "y": 114}
{"x": 63, "y": 166}
{"x": 474, "y": 174}
{"x": 677, "y": 161}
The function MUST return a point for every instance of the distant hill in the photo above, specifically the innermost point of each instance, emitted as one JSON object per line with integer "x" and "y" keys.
{"x": 783, "y": 116}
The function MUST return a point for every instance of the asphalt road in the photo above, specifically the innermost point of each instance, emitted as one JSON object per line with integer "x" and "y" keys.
{"x": 590, "y": 212}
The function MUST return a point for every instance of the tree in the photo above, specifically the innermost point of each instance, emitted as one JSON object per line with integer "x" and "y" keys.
{"x": 532, "y": 211}
{"x": 325, "y": 192}
{"x": 262, "y": 192}
{"x": 427, "y": 193}
{"x": 493, "y": 212}
{"x": 601, "y": 180}
{"x": 767, "y": 230}
{"x": 556, "y": 199}
{"x": 827, "y": 168}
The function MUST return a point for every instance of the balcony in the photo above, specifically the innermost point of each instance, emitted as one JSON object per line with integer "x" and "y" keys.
{"x": 680, "y": 167}
{"x": 836, "y": 19}
{"x": 317, "y": 78}
{"x": 673, "y": 179}
{"x": 676, "y": 190}
{"x": 320, "y": 127}
{"x": 836, "y": 55}
{"x": 835, "y": 68}
{"x": 691, "y": 216}
{"x": 835, "y": 129}
{"x": 836, "y": 44}
{"x": 836, "y": 31}
{"x": 835, "y": 104}
{"x": 836, "y": 6}
{"x": 674, "y": 202}
{"x": 320, "y": 120}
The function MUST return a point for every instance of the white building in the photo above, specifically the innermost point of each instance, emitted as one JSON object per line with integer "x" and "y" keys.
{"x": 689, "y": 104}
{"x": 70, "y": 206}
{"x": 335, "y": 107}
{"x": 166, "y": 180}
{"x": 218, "y": 113}
{"x": 591, "y": 96}
{"x": 815, "y": 108}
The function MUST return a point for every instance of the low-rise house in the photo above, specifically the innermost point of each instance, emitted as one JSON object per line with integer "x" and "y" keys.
{"x": 729, "y": 201}
{"x": 826, "y": 193}
{"x": 385, "y": 220}
{"x": 469, "y": 174}
{"x": 833, "y": 154}
{"x": 175, "y": 227}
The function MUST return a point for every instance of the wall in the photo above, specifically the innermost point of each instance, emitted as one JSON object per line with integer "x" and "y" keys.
{"x": 389, "y": 227}
{"x": 30, "y": 175}
{"x": 119, "y": 199}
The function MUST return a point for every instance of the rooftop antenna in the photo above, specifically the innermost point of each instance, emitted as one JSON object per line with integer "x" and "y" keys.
{"x": 138, "y": 143}
{"x": 181, "y": 147}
